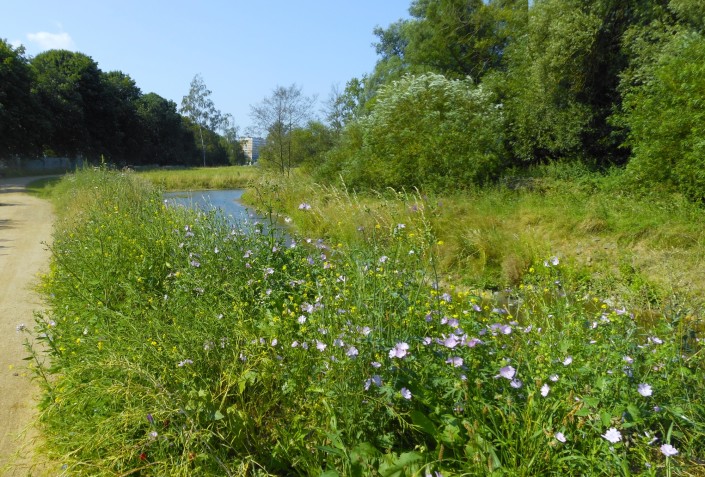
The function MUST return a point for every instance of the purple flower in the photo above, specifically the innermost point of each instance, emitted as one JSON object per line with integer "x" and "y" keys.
{"x": 450, "y": 342}
{"x": 507, "y": 372}
{"x": 184, "y": 363}
{"x": 376, "y": 380}
{"x": 668, "y": 450}
{"x": 516, "y": 383}
{"x": 376, "y": 364}
{"x": 456, "y": 361}
{"x": 471, "y": 343}
{"x": 195, "y": 263}
{"x": 645, "y": 390}
{"x": 446, "y": 298}
{"x": 405, "y": 393}
{"x": 304, "y": 206}
{"x": 399, "y": 351}
{"x": 150, "y": 419}
{"x": 320, "y": 346}
{"x": 612, "y": 435}
{"x": 352, "y": 351}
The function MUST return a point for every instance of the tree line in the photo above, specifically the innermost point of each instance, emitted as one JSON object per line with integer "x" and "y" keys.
{"x": 61, "y": 104}
{"x": 467, "y": 91}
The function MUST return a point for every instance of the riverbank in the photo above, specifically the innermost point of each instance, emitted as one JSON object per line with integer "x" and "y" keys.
{"x": 192, "y": 347}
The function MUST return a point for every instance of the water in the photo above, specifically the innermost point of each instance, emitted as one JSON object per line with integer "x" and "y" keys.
{"x": 228, "y": 201}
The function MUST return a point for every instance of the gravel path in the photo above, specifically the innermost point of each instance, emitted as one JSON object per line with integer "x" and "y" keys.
{"x": 25, "y": 222}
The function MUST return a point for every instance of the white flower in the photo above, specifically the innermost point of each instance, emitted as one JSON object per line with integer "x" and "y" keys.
{"x": 405, "y": 393}
{"x": 668, "y": 450}
{"x": 567, "y": 360}
{"x": 645, "y": 390}
{"x": 560, "y": 437}
{"x": 553, "y": 377}
{"x": 612, "y": 435}
{"x": 544, "y": 390}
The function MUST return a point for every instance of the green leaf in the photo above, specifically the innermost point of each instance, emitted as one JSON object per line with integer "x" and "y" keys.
{"x": 423, "y": 423}
{"x": 217, "y": 416}
{"x": 606, "y": 418}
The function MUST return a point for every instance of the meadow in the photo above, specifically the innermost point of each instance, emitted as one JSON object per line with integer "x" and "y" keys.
{"x": 179, "y": 344}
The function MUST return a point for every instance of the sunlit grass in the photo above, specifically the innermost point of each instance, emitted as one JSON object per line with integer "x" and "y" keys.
{"x": 179, "y": 344}
{"x": 202, "y": 178}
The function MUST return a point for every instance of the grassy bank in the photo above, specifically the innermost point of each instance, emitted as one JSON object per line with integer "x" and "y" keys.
{"x": 202, "y": 178}
{"x": 179, "y": 344}
{"x": 647, "y": 249}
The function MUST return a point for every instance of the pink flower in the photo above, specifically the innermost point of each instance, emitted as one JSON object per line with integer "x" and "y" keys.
{"x": 507, "y": 372}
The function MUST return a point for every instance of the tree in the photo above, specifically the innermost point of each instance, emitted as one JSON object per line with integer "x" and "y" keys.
{"x": 70, "y": 89}
{"x": 278, "y": 115}
{"x": 199, "y": 108}
{"x": 165, "y": 138}
{"x": 19, "y": 113}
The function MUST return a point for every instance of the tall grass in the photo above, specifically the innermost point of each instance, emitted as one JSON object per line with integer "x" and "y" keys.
{"x": 179, "y": 344}
{"x": 202, "y": 178}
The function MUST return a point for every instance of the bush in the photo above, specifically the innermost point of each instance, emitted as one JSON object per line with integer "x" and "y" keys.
{"x": 429, "y": 131}
{"x": 665, "y": 117}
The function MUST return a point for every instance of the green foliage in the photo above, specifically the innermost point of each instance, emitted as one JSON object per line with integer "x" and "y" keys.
{"x": 546, "y": 75}
{"x": 179, "y": 344}
{"x": 664, "y": 114}
{"x": 428, "y": 131}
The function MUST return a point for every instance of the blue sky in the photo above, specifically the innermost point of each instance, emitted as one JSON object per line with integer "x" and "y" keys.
{"x": 242, "y": 49}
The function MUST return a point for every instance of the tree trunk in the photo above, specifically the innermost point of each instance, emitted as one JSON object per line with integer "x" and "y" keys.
{"x": 203, "y": 147}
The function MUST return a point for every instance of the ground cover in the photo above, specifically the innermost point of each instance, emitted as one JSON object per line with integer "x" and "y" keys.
{"x": 182, "y": 345}
{"x": 201, "y": 178}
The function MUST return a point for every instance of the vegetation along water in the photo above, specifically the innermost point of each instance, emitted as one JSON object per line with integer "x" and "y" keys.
{"x": 494, "y": 264}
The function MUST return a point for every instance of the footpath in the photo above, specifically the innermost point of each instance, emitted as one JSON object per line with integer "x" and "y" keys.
{"x": 25, "y": 228}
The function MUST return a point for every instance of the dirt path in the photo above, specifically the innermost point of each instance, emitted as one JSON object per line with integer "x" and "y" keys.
{"x": 25, "y": 222}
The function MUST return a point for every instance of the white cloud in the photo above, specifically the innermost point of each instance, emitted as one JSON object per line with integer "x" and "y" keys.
{"x": 52, "y": 41}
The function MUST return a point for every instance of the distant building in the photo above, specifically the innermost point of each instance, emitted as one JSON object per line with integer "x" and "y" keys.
{"x": 251, "y": 146}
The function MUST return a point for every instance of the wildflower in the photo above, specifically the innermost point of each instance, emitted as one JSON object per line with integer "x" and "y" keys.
{"x": 268, "y": 271}
{"x": 456, "y": 361}
{"x": 376, "y": 380}
{"x": 446, "y": 298}
{"x": 383, "y": 259}
{"x": 612, "y": 435}
{"x": 301, "y": 319}
{"x": 544, "y": 390}
{"x": 195, "y": 263}
{"x": 470, "y": 343}
{"x": 507, "y": 372}
{"x": 560, "y": 437}
{"x": 366, "y": 330}
{"x": 405, "y": 393}
{"x": 216, "y": 250}
{"x": 150, "y": 419}
{"x": 352, "y": 352}
{"x": 450, "y": 342}
{"x": 668, "y": 450}
{"x": 153, "y": 435}
{"x": 516, "y": 383}
{"x": 567, "y": 360}
{"x": 645, "y": 390}
{"x": 320, "y": 346}
{"x": 21, "y": 327}
{"x": 656, "y": 340}
{"x": 295, "y": 344}
{"x": 399, "y": 351}
{"x": 304, "y": 206}
{"x": 184, "y": 363}
{"x": 628, "y": 360}
{"x": 275, "y": 342}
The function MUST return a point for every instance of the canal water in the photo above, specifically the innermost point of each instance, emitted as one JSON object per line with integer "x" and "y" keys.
{"x": 227, "y": 201}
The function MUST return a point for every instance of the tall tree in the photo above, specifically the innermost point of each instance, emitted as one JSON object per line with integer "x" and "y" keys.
{"x": 165, "y": 137}
{"x": 200, "y": 109}
{"x": 278, "y": 115}
{"x": 69, "y": 88}
{"x": 19, "y": 115}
